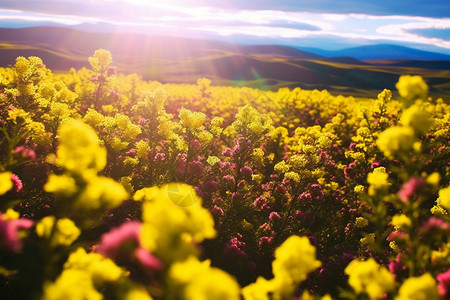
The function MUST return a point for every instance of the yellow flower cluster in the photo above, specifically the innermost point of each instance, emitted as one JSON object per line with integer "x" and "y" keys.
{"x": 418, "y": 288}
{"x": 192, "y": 280}
{"x": 82, "y": 157}
{"x": 173, "y": 220}
{"x": 5, "y": 182}
{"x": 64, "y": 233}
{"x": 294, "y": 260}
{"x": 412, "y": 87}
{"x": 444, "y": 197}
{"x": 85, "y": 276}
{"x": 378, "y": 181}
{"x": 370, "y": 278}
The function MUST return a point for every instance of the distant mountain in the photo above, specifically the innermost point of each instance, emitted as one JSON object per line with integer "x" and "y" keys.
{"x": 183, "y": 60}
{"x": 381, "y": 51}
{"x": 275, "y": 50}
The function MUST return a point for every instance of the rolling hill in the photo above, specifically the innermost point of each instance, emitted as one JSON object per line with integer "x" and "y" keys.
{"x": 182, "y": 60}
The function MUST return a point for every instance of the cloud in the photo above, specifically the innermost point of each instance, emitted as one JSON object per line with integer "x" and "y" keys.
{"x": 284, "y": 21}
{"x": 435, "y": 8}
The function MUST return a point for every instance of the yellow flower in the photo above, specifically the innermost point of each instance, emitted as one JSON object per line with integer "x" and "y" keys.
{"x": 416, "y": 118}
{"x": 258, "y": 290}
{"x": 281, "y": 167}
{"x": 65, "y": 234}
{"x": 5, "y": 182}
{"x": 378, "y": 181}
{"x": 412, "y": 87}
{"x": 361, "y": 222}
{"x": 101, "y": 269}
{"x": 418, "y": 288}
{"x": 173, "y": 219}
{"x": 397, "y": 139}
{"x": 294, "y": 260}
{"x": 212, "y": 160}
{"x": 212, "y": 285}
{"x": 137, "y": 293}
{"x": 192, "y": 120}
{"x": 370, "y": 278}
{"x": 142, "y": 148}
{"x": 101, "y": 60}
{"x": 401, "y": 222}
{"x": 10, "y": 214}
{"x": 444, "y": 197}
{"x": 101, "y": 193}
{"x": 79, "y": 148}
{"x": 359, "y": 188}
{"x": 294, "y": 176}
{"x": 71, "y": 285}
{"x": 197, "y": 280}
{"x": 61, "y": 185}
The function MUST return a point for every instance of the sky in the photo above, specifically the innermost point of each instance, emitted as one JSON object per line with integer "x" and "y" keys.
{"x": 326, "y": 24}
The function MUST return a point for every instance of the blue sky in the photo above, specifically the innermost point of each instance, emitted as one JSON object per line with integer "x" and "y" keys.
{"x": 316, "y": 23}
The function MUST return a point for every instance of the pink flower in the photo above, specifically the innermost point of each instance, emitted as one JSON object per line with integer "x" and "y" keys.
{"x": 410, "y": 188}
{"x": 444, "y": 284}
{"x": 434, "y": 225}
{"x": 111, "y": 71}
{"x": 246, "y": 171}
{"x": 17, "y": 182}
{"x": 120, "y": 240}
{"x": 25, "y": 153}
{"x": 395, "y": 266}
{"x": 217, "y": 211}
{"x": 228, "y": 152}
{"x": 260, "y": 203}
{"x": 124, "y": 243}
{"x": 147, "y": 259}
{"x": 196, "y": 168}
{"x": 265, "y": 240}
{"x": 196, "y": 144}
{"x": 160, "y": 156}
{"x": 10, "y": 232}
{"x": 274, "y": 216}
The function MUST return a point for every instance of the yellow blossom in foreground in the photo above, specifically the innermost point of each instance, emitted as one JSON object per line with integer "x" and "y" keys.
{"x": 294, "y": 260}
{"x": 444, "y": 197}
{"x": 412, "y": 87}
{"x": 258, "y": 290}
{"x": 79, "y": 148}
{"x": 71, "y": 285}
{"x": 401, "y": 222}
{"x": 370, "y": 278}
{"x": 174, "y": 220}
{"x": 377, "y": 181}
{"x": 394, "y": 140}
{"x": 416, "y": 118}
{"x": 5, "y": 182}
{"x": 61, "y": 185}
{"x": 101, "y": 192}
{"x": 198, "y": 281}
{"x": 418, "y": 288}
{"x": 65, "y": 234}
{"x": 101, "y": 269}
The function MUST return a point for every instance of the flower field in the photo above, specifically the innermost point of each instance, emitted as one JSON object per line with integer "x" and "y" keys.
{"x": 112, "y": 187}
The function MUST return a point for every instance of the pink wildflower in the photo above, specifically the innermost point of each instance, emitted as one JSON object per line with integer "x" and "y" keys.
{"x": 124, "y": 242}
{"x": 17, "y": 183}
{"x": 274, "y": 216}
{"x": 444, "y": 284}
{"x": 410, "y": 188}
{"x": 10, "y": 232}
